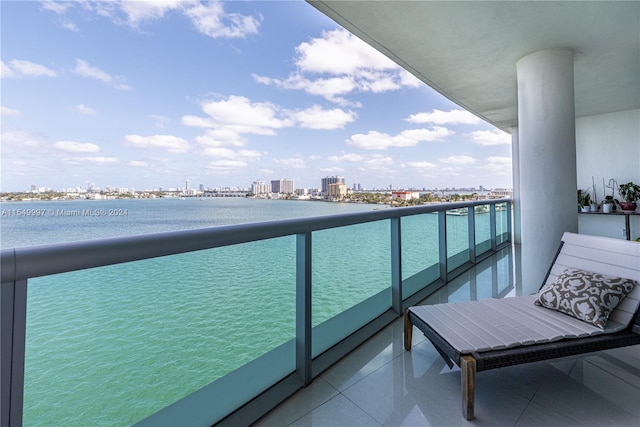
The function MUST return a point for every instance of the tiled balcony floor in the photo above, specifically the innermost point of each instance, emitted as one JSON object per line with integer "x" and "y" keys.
{"x": 381, "y": 384}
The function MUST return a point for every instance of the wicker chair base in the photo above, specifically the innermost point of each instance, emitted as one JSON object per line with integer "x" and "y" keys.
{"x": 483, "y": 361}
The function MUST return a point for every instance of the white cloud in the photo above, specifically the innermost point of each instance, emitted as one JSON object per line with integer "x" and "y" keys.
{"x": 84, "y": 69}
{"x": 375, "y": 140}
{"x": 332, "y": 170}
{"x": 5, "y": 111}
{"x": 219, "y": 138}
{"x": 95, "y": 160}
{"x": 348, "y": 54}
{"x": 354, "y": 67}
{"x": 238, "y": 114}
{"x": 76, "y": 147}
{"x": 293, "y": 163}
{"x": 347, "y": 157}
{"x": 491, "y": 137}
{"x": 137, "y": 164}
{"x": 209, "y": 19}
{"x": 83, "y": 109}
{"x": 21, "y": 68}
{"x": 5, "y": 71}
{"x": 440, "y": 117}
{"x": 160, "y": 121}
{"x": 231, "y": 154}
{"x": 142, "y": 11}
{"x": 497, "y": 165}
{"x": 169, "y": 143}
{"x": 318, "y": 118}
{"x": 422, "y": 165}
{"x": 377, "y": 162}
{"x": 20, "y": 138}
{"x": 229, "y": 118}
{"x": 458, "y": 160}
{"x": 408, "y": 79}
{"x": 226, "y": 166}
{"x": 58, "y": 7}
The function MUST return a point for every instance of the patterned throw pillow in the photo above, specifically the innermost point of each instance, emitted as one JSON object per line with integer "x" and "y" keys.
{"x": 584, "y": 295}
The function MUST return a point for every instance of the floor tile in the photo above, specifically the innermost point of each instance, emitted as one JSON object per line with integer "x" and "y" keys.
{"x": 419, "y": 388}
{"x": 382, "y": 384}
{"x": 337, "y": 412}
{"x": 374, "y": 353}
{"x": 574, "y": 400}
{"x": 300, "y": 404}
{"x": 536, "y": 415}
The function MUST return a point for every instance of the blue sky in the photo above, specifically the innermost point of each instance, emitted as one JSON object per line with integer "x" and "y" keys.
{"x": 150, "y": 94}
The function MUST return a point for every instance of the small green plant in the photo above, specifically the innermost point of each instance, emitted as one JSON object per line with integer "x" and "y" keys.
{"x": 584, "y": 198}
{"x": 629, "y": 192}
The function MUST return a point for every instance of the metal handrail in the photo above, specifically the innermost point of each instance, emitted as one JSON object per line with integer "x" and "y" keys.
{"x": 17, "y": 265}
{"x": 37, "y": 261}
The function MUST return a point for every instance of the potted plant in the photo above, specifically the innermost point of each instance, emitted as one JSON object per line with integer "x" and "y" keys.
{"x": 584, "y": 199}
{"x": 629, "y": 193}
{"x": 609, "y": 204}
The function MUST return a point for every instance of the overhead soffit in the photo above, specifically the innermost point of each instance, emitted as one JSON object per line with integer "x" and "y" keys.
{"x": 467, "y": 50}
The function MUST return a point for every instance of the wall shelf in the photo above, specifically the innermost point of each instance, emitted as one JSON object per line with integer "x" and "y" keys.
{"x": 626, "y": 215}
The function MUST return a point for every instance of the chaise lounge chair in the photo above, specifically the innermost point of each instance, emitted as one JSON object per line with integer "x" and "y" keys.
{"x": 495, "y": 333}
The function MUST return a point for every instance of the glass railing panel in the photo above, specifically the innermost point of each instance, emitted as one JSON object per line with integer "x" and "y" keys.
{"x": 457, "y": 238}
{"x": 504, "y": 276}
{"x": 459, "y": 290}
{"x": 113, "y": 345}
{"x": 485, "y": 286}
{"x": 502, "y": 225}
{"x": 482, "y": 228}
{"x": 419, "y": 252}
{"x": 350, "y": 265}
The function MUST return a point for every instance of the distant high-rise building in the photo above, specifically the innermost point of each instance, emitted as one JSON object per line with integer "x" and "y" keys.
{"x": 337, "y": 190}
{"x": 187, "y": 186}
{"x": 327, "y": 180}
{"x": 260, "y": 187}
{"x": 283, "y": 186}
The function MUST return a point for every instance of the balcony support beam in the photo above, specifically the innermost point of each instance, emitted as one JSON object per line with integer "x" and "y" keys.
{"x": 13, "y": 311}
{"x": 396, "y": 265}
{"x": 471, "y": 224}
{"x": 442, "y": 244}
{"x": 303, "y": 307}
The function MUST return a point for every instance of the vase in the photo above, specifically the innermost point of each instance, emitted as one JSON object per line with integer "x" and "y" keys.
{"x": 606, "y": 208}
{"x": 628, "y": 206}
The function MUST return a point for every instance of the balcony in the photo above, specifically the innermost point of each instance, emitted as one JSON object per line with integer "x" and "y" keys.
{"x": 347, "y": 366}
{"x": 283, "y": 341}
{"x": 382, "y": 384}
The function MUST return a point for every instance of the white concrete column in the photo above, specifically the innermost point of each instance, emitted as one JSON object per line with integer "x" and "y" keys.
{"x": 546, "y": 159}
{"x": 515, "y": 162}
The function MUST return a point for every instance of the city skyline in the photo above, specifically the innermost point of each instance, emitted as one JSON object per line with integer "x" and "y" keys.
{"x": 143, "y": 95}
{"x": 90, "y": 186}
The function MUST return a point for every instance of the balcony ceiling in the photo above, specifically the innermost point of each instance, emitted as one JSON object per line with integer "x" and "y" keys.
{"x": 468, "y": 50}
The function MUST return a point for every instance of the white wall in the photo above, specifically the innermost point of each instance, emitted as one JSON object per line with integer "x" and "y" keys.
{"x": 608, "y": 146}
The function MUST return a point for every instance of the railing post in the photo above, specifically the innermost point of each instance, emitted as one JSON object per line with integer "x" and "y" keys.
{"x": 508, "y": 207}
{"x": 492, "y": 226}
{"x": 303, "y": 307}
{"x": 13, "y": 319}
{"x": 471, "y": 221}
{"x": 442, "y": 243}
{"x": 396, "y": 265}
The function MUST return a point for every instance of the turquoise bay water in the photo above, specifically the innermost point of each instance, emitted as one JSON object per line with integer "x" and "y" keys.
{"x": 112, "y": 345}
